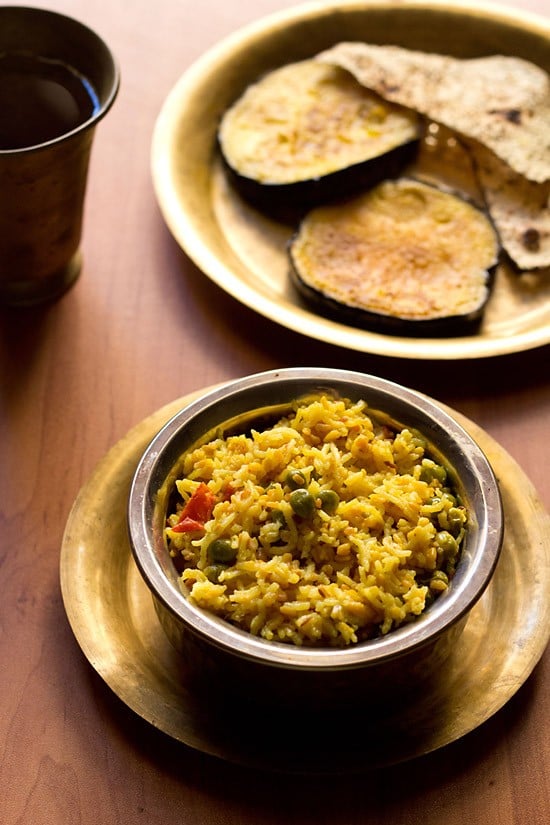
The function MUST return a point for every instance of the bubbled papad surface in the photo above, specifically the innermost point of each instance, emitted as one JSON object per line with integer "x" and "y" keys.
{"x": 500, "y": 105}
{"x": 504, "y": 102}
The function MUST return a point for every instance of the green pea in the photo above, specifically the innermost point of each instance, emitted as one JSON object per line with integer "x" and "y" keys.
{"x": 212, "y": 572}
{"x": 329, "y": 501}
{"x": 295, "y": 478}
{"x": 302, "y": 502}
{"x": 443, "y": 499}
{"x": 221, "y": 552}
{"x": 418, "y": 440}
{"x": 439, "y": 581}
{"x": 455, "y": 519}
{"x": 278, "y": 517}
{"x": 441, "y": 576}
{"x": 447, "y": 544}
{"x": 430, "y": 471}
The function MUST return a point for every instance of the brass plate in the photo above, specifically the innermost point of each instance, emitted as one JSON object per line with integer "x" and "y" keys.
{"x": 243, "y": 252}
{"x": 112, "y": 616}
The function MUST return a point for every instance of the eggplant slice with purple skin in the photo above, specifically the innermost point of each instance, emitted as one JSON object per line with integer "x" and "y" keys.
{"x": 405, "y": 258}
{"x": 308, "y": 133}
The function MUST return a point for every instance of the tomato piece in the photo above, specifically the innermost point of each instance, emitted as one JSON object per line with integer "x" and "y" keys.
{"x": 197, "y": 510}
{"x": 188, "y": 525}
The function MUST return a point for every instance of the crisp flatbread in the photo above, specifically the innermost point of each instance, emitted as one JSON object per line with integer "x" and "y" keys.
{"x": 502, "y": 102}
{"x": 499, "y": 106}
{"x": 519, "y": 208}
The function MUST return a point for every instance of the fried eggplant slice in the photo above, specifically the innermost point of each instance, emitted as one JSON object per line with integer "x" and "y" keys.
{"x": 505, "y": 129}
{"x": 501, "y": 101}
{"x": 405, "y": 258}
{"x": 307, "y": 133}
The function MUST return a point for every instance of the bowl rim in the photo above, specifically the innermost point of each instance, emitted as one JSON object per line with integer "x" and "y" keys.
{"x": 468, "y": 584}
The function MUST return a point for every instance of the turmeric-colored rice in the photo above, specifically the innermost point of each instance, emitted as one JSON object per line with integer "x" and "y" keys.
{"x": 327, "y": 528}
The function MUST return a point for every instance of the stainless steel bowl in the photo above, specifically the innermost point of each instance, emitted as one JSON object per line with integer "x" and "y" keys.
{"x": 216, "y": 652}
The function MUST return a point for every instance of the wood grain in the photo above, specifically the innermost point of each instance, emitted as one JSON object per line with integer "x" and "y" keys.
{"x": 140, "y": 328}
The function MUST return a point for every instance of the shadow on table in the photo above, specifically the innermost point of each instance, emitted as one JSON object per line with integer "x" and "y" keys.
{"x": 331, "y": 795}
{"x": 255, "y": 336}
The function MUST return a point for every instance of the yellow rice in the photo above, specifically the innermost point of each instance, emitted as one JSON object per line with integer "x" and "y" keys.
{"x": 324, "y": 578}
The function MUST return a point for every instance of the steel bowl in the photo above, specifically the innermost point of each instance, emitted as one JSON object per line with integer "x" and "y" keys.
{"x": 273, "y": 673}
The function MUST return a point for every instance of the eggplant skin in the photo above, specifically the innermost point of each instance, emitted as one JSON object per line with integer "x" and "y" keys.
{"x": 308, "y": 133}
{"x": 405, "y": 258}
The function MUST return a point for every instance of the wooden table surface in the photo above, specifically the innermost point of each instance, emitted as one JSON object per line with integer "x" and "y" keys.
{"x": 141, "y": 327}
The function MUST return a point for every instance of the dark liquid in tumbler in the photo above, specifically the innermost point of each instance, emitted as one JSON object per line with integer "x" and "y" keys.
{"x": 40, "y": 100}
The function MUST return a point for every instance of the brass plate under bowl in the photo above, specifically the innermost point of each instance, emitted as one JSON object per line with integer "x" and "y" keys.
{"x": 244, "y": 252}
{"x": 113, "y": 619}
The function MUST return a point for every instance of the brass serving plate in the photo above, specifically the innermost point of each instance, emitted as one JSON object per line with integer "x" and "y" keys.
{"x": 245, "y": 253}
{"x": 111, "y": 613}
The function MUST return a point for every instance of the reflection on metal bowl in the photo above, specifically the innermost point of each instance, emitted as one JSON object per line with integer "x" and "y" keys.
{"x": 277, "y": 674}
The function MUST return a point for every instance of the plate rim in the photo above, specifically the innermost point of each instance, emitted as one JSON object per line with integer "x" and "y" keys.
{"x": 147, "y": 700}
{"x": 283, "y": 311}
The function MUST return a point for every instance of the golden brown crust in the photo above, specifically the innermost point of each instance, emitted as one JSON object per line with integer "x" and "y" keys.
{"x": 503, "y": 102}
{"x": 404, "y": 250}
{"x": 307, "y": 120}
